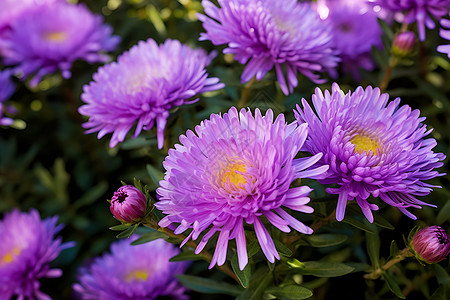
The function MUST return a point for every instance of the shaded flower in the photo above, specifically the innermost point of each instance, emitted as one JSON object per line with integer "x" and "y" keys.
{"x": 133, "y": 272}
{"x": 403, "y": 44}
{"x": 145, "y": 83}
{"x": 263, "y": 34}
{"x": 431, "y": 244}
{"x": 237, "y": 168}
{"x": 372, "y": 147}
{"x": 51, "y": 37}
{"x": 445, "y": 34}
{"x": 128, "y": 204}
{"x": 28, "y": 246}
{"x": 420, "y": 11}
{"x": 6, "y": 90}
{"x": 353, "y": 40}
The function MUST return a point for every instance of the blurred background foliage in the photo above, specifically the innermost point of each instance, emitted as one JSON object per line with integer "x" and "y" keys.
{"x": 49, "y": 163}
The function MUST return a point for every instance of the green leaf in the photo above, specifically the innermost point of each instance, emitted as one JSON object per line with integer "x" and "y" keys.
{"x": 290, "y": 292}
{"x": 92, "y": 195}
{"x": 128, "y": 232}
{"x": 244, "y": 275}
{"x": 441, "y": 292}
{"x": 358, "y": 224}
{"x": 393, "y": 285}
{"x": 394, "y": 249}
{"x": 119, "y": 227}
{"x": 155, "y": 174}
{"x": 373, "y": 248}
{"x": 444, "y": 214}
{"x": 295, "y": 263}
{"x": 441, "y": 274}
{"x": 148, "y": 237}
{"x": 252, "y": 248}
{"x": 324, "y": 269}
{"x": 326, "y": 239}
{"x": 282, "y": 249}
{"x": 209, "y": 286}
{"x": 259, "y": 282}
{"x": 382, "y": 222}
{"x": 187, "y": 255}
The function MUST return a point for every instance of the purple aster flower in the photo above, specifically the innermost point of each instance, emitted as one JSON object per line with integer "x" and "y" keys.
{"x": 445, "y": 34}
{"x": 51, "y": 37}
{"x": 353, "y": 41}
{"x": 145, "y": 83}
{"x": 28, "y": 246}
{"x": 237, "y": 167}
{"x": 403, "y": 44}
{"x": 128, "y": 204}
{"x": 6, "y": 90}
{"x": 372, "y": 147}
{"x": 420, "y": 11}
{"x": 431, "y": 244}
{"x": 263, "y": 34}
{"x": 133, "y": 272}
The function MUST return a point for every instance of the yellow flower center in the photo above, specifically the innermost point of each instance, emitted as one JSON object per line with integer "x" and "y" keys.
{"x": 9, "y": 257}
{"x": 230, "y": 173}
{"x": 137, "y": 275}
{"x": 56, "y": 36}
{"x": 363, "y": 143}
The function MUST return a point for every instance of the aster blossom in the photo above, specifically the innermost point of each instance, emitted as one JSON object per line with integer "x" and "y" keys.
{"x": 374, "y": 148}
{"x": 144, "y": 84}
{"x": 271, "y": 33}
{"x": 28, "y": 246}
{"x": 50, "y": 37}
{"x": 431, "y": 244}
{"x": 128, "y": 204}
{"x": 237, "y": 168}
{"x": 133, "y": 272}
{"x": 445, "y": 34}
{"x": 420, "y": 11}
{"x": 6, "y": 90}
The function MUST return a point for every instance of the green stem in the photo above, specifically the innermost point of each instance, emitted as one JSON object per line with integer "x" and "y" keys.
{"x": 399, "y": 257}
{"x": 387, "y": 73}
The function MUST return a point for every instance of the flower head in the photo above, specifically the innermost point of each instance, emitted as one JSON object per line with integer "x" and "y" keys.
{"x": 445, "y": 34}
{"x": 431, "y": 244}
{"x": 128, "y": 204}
{"x": 263, "y": 34}
{"x": 6, "y": 90}
{"x": 420, "y": 11}
{"x": 353, "y": 41}
{"x": 403, "y": 44}
{"x": 50, "y": 37}
{"x": 237, "y": 168}
{"x": 372, "y": 147}
{"x": 144, "y": 84}
{"x": 133, "y": 272}
{"x": 28, "y": 246}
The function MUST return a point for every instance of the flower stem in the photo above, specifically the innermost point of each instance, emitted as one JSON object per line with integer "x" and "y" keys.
{"x": 399, "y": 257}
{"x": 246, "y": 92}
{"x": 207, "y": 256}
{"x": 387, "y": 73}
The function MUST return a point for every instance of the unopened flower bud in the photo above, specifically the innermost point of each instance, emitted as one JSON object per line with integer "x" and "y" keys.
{"x": 404, "y": 44}
{"x": 128, "y": 204}
{"x": 431, "y": 244}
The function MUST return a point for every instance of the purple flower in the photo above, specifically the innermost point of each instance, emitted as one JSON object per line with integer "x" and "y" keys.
{"x": 404, "y": 44}
{"x": 28, "y": 246}
{"x": 431, "y": 244}
{"x": 52, "y": 36}
{"x": 263, "y": 34}
{"x": 420, "y": 11}
{"x": 350, "y": 38}
{"x": 6, "y": 90}
{"x": 144, "y": 84}
{"x": 372, "y": 147}
{"x": 128, "y": 204}
{"x": 133, "y": 272}
{"x": 445, "y": 34}
{"x": 237, "y": 167}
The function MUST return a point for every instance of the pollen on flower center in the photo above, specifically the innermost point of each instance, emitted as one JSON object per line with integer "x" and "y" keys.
{"x": 137, "y": 275}
{"x": 230, "y": 173}
{"x": 9, "y": 257}
{"x": 364, "y": 143}
{"x": 56, "y": 36}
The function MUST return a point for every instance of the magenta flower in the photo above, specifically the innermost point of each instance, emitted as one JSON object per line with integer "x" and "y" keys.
{"x": 6, "y": 90}
{"x": 27, "y": 248}
{"x": 128, "y": 204}
{"x": 133, "y": 272}
{"x": 404, "y": 44}
{"x": 420, "y": 11}
{"x": 445, "y": 34}
{"x": 51, "y": 37}
{"x": 373, "y": 147}
{"x": 431, "y": 244}
{"x": 237, "y": 168}
{"x": 144, "y": 84}
{"x": 265, "y": 34}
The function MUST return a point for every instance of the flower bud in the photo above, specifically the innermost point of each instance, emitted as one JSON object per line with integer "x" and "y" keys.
{"x": 404, "y": 44}
{"x": 431, "y": 244}
{"x": 128, "y": 204}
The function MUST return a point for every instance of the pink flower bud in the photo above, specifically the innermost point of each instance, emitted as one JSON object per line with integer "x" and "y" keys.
{"x": 431, "y": 244}
{"x": 128, "y": 204}
{"x": 404, "y": 44}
